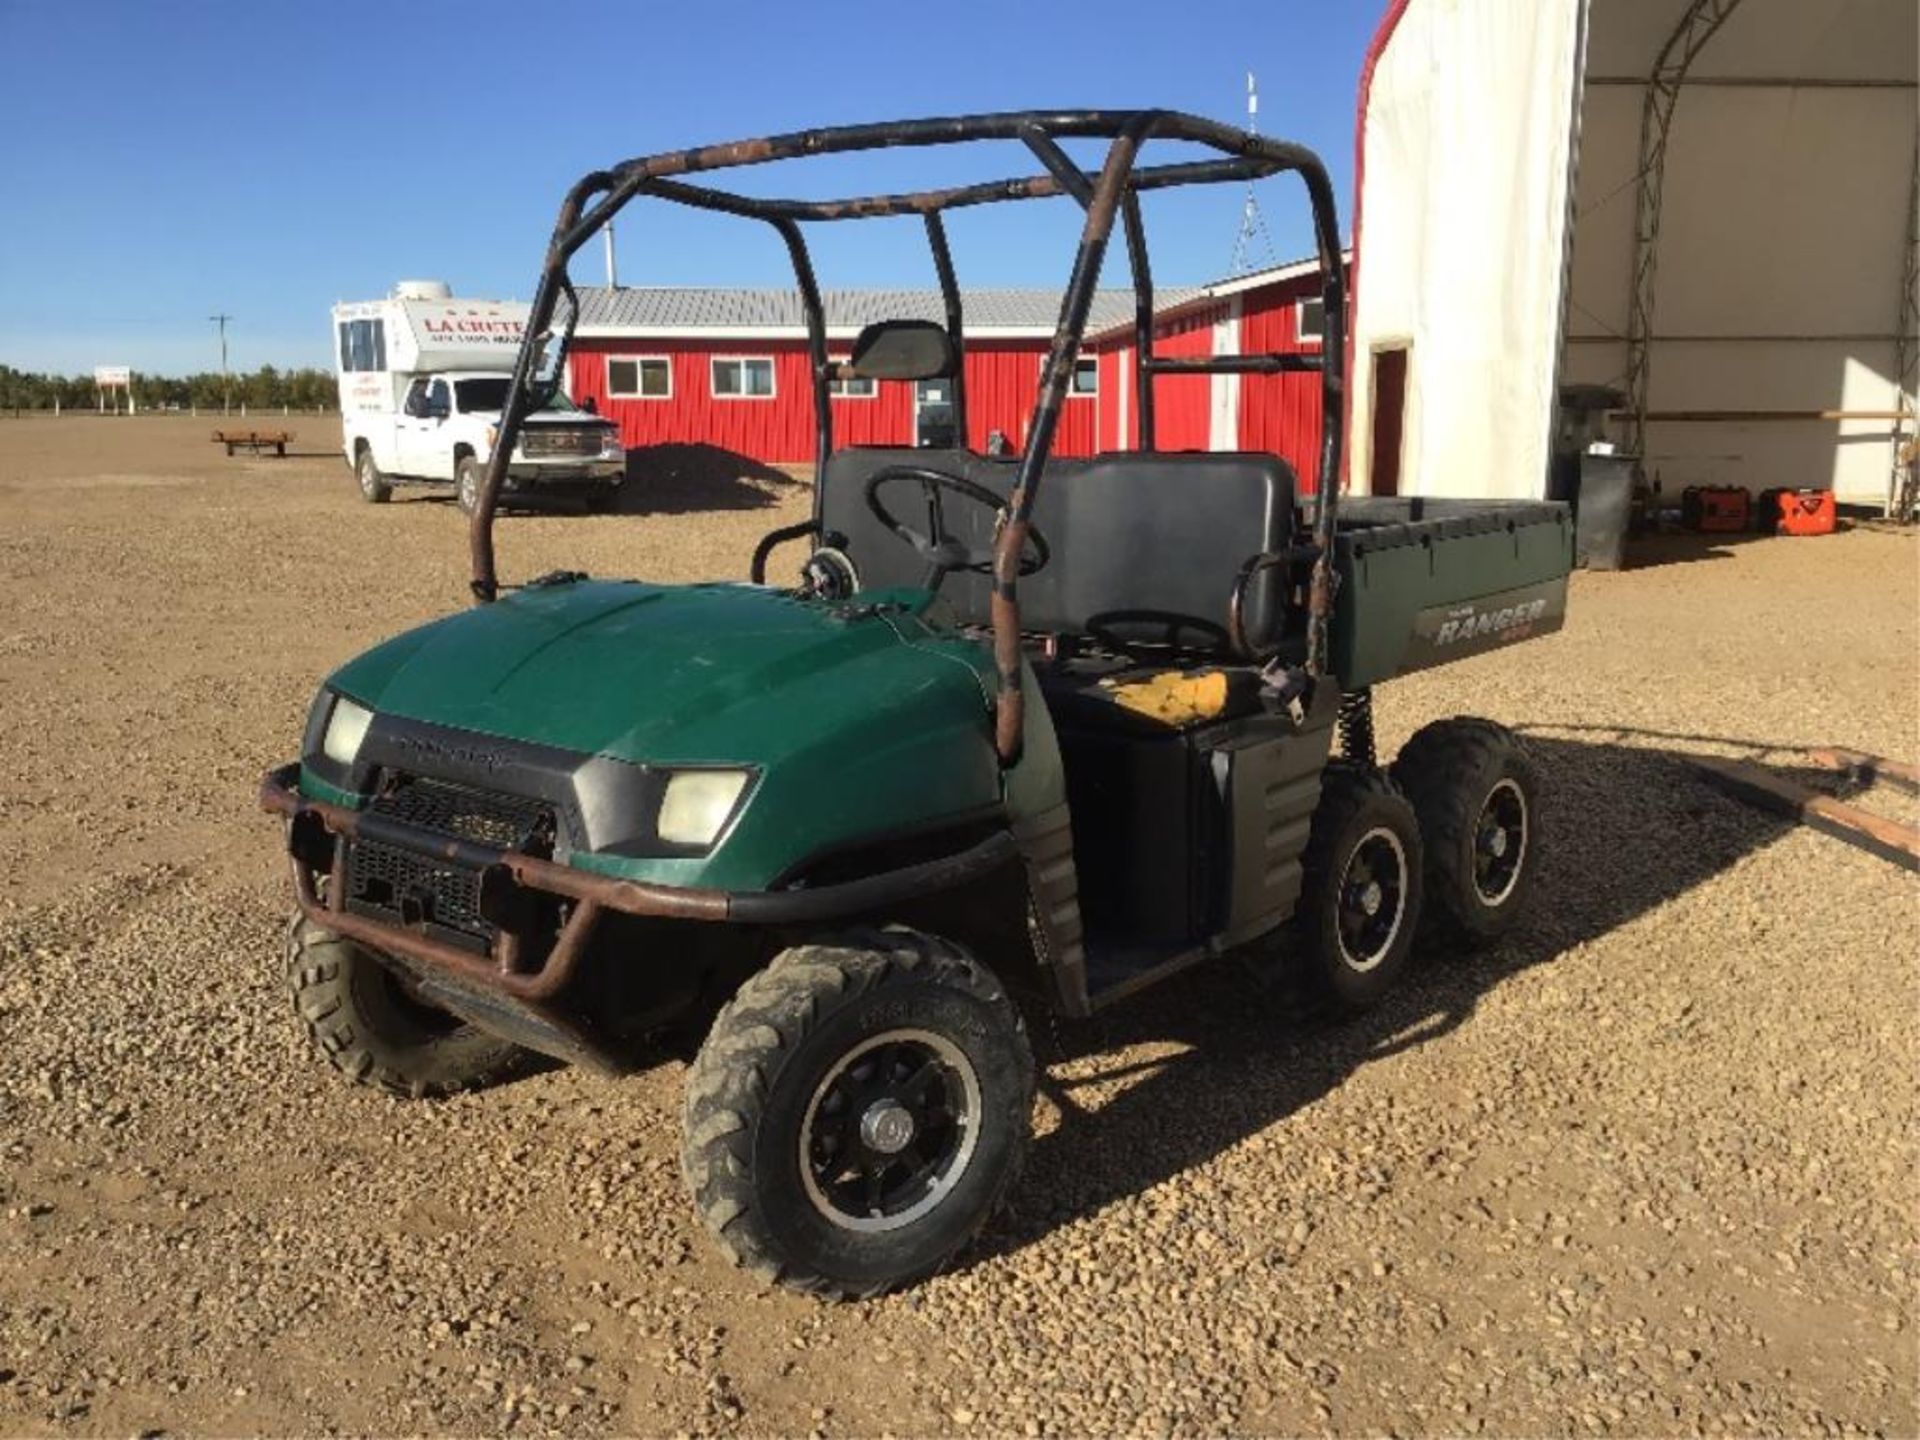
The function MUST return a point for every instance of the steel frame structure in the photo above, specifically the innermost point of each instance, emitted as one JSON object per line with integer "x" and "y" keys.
{"x": 1110, "y": 196}
{"x": 1696, "y": 27}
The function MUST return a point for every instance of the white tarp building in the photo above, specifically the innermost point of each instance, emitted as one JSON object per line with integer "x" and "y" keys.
{"x": 1709, "y": 204}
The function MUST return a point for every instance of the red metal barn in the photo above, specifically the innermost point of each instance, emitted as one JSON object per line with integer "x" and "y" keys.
{"x": 728, "y": 369}
{"x": 1274, "y": 311}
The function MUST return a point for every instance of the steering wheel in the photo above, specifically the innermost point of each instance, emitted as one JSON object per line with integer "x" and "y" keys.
{"x": 1172, "y": 626}
{"x": 942, "y": 551}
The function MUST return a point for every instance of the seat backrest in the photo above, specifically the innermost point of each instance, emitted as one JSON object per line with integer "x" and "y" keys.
{"x": 1151, "y": 536}
{"x": 903, "y": 350}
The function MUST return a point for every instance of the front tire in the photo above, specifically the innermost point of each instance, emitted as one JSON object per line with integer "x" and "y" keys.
{"x": 858, "y": 1111}
{"x": 466, "y": 479}
{"x": 1361, "y": 890}
{"x": 374, "y": 488}
{"x": 1475, "y": 791}
{"x": 362, "y": 1018}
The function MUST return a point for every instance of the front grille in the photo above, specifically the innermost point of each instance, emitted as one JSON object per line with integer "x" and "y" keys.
{"x": 482, "y": 816}
{"x": 544, "y": 440}
{"x": 434, "y": 895}
{"x": 397, "y": 886}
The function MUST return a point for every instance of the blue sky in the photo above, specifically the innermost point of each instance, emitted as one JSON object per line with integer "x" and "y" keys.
{"x": 168, "y": 162}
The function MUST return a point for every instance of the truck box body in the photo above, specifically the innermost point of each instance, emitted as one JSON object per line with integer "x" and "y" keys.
{"x": 382, "y": 344}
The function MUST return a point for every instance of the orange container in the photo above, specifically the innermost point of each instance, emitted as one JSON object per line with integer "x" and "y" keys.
{"x": 1805, "y": 512}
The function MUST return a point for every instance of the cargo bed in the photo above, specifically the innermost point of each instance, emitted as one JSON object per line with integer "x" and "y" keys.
{"x": 1426, "y": 581}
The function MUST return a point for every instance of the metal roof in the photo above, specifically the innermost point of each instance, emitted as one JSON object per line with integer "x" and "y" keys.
{"x": 691, "y": 310}
{"x": 1198, "y": 297}
{"x": 657, "y": 310}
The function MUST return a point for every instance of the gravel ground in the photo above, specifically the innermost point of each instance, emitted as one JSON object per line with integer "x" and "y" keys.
{"x": 1649, "y": 1167}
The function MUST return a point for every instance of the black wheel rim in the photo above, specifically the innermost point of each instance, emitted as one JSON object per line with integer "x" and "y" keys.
{"x": 890, "y": 1130}
{"x": 1372, "y": 900}
{"x": 1500, "y": 843}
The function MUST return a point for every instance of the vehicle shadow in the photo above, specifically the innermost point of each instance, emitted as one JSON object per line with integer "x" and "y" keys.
{"x": 676, "y": 479}
{"x": 1651, "y": 550}
{"x": 1680, "y": 547}
{"x": 1623, "y": 829}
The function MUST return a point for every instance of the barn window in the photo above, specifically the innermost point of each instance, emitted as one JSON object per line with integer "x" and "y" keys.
{"x": 853, "y": 387}
{"x": 1310, "y": 320}
{"x": 1086, "y": 377}
{"x": 639, "y": 377}
{"x": 743, "y": 379}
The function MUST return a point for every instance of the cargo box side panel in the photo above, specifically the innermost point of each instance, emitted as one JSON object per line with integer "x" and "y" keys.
{"x": 1269, "y": 785}
{"x": 1422, "y": 593}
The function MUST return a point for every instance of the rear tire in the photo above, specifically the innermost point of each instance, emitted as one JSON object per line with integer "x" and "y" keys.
{"x": 374, "y": 488}
{"x": 1475, "y": 791}
{"x": 858, "y": 1111}
{"x": 361, "y": 1017}
{"x": 1361, "y": 891}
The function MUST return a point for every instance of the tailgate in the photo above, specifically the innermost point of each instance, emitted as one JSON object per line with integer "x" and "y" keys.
{"x": 1423, "y": 582}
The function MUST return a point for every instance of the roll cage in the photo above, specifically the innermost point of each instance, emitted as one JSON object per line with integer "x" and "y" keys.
{"x": 1111, "y": 194}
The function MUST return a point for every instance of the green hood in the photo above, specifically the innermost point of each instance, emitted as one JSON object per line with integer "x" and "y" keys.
{"x": 856, "y": 730}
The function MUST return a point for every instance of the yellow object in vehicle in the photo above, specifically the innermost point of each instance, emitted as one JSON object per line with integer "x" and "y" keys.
{"x": 1173, "y": 697}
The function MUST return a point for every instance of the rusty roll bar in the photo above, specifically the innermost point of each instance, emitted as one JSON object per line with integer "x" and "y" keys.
{"x": 1101, "y": 202}
{"x": 1242, "y": 156}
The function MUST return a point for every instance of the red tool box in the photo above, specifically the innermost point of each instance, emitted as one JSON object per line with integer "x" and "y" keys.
{"x": 1715, "y": 509}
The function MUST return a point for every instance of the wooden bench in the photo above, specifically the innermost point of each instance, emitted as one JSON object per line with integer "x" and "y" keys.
{"x": 254, "y": 440}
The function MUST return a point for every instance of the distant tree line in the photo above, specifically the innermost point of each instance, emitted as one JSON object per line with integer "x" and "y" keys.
{"x": 267, "y": 388}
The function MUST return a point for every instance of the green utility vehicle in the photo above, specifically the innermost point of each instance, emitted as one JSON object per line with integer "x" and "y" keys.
{"x": 1030, "y": 727}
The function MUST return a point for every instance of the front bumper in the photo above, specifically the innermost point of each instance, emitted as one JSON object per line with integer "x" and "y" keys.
{"x": 312, "y": 824}
{"x": 555, "y": 474}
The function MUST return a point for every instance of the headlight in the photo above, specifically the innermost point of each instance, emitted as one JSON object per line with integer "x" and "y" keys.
{"x": 610, "y": 447}
{"x": 346, "y": 728}
{"x": 698, "y": 803}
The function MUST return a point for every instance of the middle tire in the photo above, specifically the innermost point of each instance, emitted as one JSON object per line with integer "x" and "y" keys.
{"x": 1361, "y": 889}
{"x": 857, "y": 1112}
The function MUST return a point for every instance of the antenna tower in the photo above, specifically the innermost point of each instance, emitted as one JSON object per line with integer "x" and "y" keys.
{"x": 1253, "y": 225}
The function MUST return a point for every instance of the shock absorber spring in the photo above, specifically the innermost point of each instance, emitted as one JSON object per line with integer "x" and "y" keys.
{"x": 1355, "y": 722}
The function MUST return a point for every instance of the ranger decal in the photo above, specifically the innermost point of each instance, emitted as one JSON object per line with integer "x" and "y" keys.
{"x": 1449, "y": 632}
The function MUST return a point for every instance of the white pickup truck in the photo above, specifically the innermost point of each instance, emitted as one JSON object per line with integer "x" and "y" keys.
{"x": 423, "y": 376}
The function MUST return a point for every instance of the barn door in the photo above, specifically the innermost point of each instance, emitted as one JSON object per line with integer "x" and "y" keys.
{"x": 933, "y": 419}
{"x": 1389, "y": 420}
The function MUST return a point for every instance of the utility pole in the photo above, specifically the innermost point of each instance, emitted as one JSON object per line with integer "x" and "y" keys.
{"x": 226, "y": 387}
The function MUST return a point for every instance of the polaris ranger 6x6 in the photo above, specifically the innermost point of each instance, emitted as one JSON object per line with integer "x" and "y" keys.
{"x": 1047, "y": 727}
